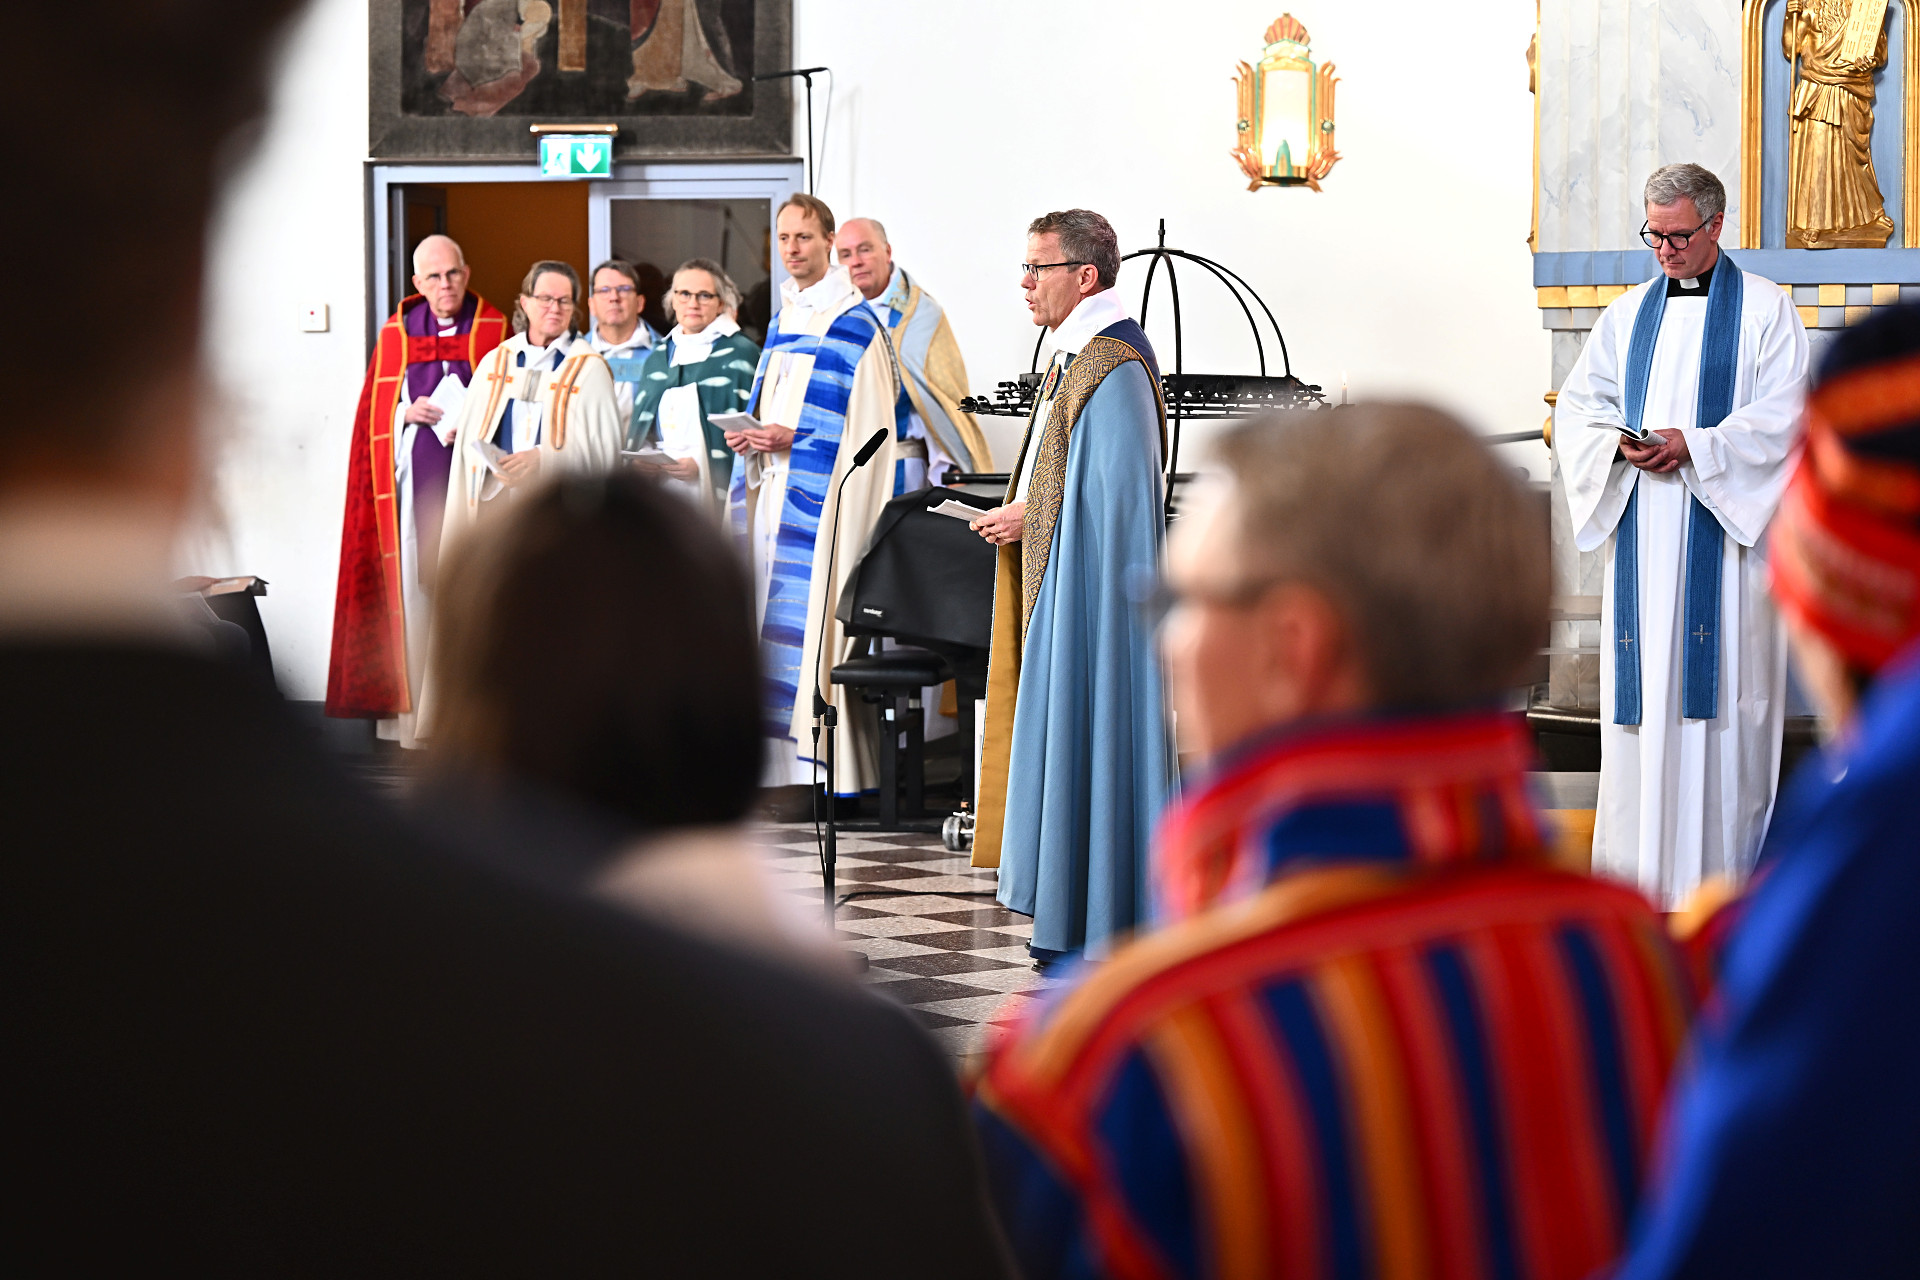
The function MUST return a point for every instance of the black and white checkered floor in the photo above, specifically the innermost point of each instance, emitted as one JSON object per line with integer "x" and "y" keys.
{"x": 959, "y": 962}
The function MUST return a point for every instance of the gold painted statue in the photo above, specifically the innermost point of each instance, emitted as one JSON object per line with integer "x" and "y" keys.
{"x": 1833, "y": 198}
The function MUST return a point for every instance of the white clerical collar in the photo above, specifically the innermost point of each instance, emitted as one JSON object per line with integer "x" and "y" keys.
{"x": 549, "y": 355}
{"x": 1095, "y": 312}
{"x": 692, "y": 348}
{"x": 832, "y": 293}
{"x": 641, "y": 338}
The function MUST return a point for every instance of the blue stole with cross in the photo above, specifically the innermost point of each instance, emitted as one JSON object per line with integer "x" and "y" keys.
{"x": 1719, "y": 360}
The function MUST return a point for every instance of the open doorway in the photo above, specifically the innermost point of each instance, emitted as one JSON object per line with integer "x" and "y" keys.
{"x": 658, "y": 235}
{"x": 655, "y": 214}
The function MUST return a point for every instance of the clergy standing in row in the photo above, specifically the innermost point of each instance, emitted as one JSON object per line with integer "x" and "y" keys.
{"x": 704, "y": 366}
{"x": 397, "y": 469}
{"x": 1713, "y": 362}
{"x": 541, "y": 404}
{"x": 1077, "y": 759}
{"x": 937, "y": 435}
{"x": 828, "y": 381}
{"x": 620, "y": 332}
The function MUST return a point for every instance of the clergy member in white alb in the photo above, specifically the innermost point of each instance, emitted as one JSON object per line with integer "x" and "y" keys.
{"x": 828, "y": 380}
{"x": 1712, "y": 362}
{"x": 542, "y": 403}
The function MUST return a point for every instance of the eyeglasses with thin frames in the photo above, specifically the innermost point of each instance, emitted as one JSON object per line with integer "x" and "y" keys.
{"x": 683, "y": 297}
{"x": 1678, "y": 239}
{"x": 1032, "y": 270}
{"x": 553, "y": 304}
{"x": 613, "y": 291}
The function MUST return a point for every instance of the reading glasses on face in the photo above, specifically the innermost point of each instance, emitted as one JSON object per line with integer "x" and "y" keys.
{"x": 1032, "y": 270}
{"x": 703, "y": 297}
{"x": 613, "y": 291}
{"x": 1677, "y": 239}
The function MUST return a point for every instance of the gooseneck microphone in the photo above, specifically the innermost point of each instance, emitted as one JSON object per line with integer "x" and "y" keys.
{"x": 788, "y": 75}
{"x": 807, "y": 74}
{"x": 824, "y": 712}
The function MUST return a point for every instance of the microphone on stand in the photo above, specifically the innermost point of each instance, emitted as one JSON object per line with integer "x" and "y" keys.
{"x": 807, "y": 74}
{"x": 824, "y": 712}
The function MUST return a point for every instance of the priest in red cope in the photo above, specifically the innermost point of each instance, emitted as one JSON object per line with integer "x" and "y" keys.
{"x": 397, "y": 470}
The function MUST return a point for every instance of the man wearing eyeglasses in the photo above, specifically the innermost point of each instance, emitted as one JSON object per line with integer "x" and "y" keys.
{"x": 620, "y": 333}
{"x": 1077, "y": 759}
{"x": 402, "y": 455}
{"x": 1673, "y": 433}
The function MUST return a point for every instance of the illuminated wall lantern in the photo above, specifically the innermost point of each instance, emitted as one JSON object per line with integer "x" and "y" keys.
{"x": 1286, "y": 113}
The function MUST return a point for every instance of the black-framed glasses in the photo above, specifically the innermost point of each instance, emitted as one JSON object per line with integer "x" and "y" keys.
{"x": 1678, "y": 239}
{"x": 1035, "y": 268}
{"x": 684, "y": 296}
{"x": 551, "y": 303}
{"x": 613, "y": 291}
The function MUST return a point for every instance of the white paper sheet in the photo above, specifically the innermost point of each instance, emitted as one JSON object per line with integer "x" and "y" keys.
{"x": 735, "y": 422}
{"x": 958, "y": 510}
{"x": 488, "y": 453}
{"x": 448, "y": 396}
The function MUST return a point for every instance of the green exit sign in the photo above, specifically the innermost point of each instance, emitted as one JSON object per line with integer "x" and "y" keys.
{"x": 576, "y": 156}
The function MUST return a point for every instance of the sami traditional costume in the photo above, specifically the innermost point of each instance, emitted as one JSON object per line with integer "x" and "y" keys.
{"x": 1383, "y": 1036}
{"x": 687, "y": 379}
{"x": 828, "y": 373}
{"x": 1693, "y": 677}
{"x": 1077, "y": 757}
{"x": 396, "y": 492}
{"x": 935, "y": 384}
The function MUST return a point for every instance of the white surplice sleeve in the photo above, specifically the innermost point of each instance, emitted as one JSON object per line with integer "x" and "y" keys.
{"x": 1587, "y": 418}
{"x": 1740, "y": 467}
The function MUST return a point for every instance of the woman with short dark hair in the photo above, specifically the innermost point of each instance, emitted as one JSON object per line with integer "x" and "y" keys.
{"x": 598, "y": 643}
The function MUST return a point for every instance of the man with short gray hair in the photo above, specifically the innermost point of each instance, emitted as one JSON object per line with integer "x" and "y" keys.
{"x": 1076, "y": 759}
{"x": 1378, "y": 1032}
{"x": 1673, "y": 433}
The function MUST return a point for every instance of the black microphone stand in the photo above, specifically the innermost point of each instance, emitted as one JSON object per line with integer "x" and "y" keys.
{"x": 807, "y": 74}
{"x": 825, "y": 714}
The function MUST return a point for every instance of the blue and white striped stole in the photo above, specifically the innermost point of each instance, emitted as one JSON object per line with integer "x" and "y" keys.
{"x": 1719, "y": 361}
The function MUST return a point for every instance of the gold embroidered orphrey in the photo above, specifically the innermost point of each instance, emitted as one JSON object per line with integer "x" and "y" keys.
{"x": 1833, "y": 196}
{"x": 1020, "y": 569}
{"x": 1284, "y": 131}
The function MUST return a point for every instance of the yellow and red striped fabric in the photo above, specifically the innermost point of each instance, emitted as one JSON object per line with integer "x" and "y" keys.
{"x": 1404, "y": 1056}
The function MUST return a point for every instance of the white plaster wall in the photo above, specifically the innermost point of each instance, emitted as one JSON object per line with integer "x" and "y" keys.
{"x": 293, "y": 234}
{"x": 1627, "y": 86}
{"x": 1408, "y": 276}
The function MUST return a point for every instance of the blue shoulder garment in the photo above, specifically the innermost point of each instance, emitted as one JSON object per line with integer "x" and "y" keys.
{"x": 1719, "y": 361}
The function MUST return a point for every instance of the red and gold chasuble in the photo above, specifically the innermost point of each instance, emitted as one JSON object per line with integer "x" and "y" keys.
{"x": 367, "y": 676}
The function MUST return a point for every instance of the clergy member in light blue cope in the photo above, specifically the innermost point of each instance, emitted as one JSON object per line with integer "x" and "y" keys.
{"x": 1077, "y": 760}
{"x": 1712, "y": 361}
{"x": 620, "y": 333}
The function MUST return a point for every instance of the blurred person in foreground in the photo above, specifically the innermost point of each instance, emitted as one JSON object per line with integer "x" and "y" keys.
{"x": 704, "y": 366}
{"x": 665, "y": 750}
{"x": 254, "y": 1025}
{"x": 1378, "y": 1034}
{"x": 1792, "y": 1147}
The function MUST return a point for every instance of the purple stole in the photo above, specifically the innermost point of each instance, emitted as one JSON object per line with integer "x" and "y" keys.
{"x": 432, "y": 461}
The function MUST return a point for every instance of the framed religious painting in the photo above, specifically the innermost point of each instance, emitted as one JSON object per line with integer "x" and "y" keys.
{"x": 463, "y": 79}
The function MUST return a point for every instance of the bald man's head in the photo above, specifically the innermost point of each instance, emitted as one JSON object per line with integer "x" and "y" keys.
{"x": 440, "y": 275}
{"x": 863, "y": 250}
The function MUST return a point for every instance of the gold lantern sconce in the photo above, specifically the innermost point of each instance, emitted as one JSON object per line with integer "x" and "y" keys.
{"x": 1286, "y": 113}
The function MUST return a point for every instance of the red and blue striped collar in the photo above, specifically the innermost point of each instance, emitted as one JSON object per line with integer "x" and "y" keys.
{"x": 1424, "y": 790}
